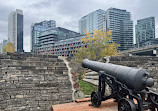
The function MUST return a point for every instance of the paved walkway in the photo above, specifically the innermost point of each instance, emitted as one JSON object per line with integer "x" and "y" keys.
{"x": 108, "y": 105}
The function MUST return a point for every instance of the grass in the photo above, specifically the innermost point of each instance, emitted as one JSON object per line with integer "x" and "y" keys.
{"x": 86, "y": 87}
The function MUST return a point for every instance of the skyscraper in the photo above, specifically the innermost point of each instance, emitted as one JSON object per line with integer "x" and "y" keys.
{"x": 37, "y": 28}
{"x": 92, "y": 21}
{"x": 15, "y": 30}
{"x": 145, "y": 30}
{"x": 119, "y": 21}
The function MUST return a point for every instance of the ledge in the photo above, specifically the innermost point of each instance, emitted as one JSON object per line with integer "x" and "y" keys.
{"x": 108, "y": 105}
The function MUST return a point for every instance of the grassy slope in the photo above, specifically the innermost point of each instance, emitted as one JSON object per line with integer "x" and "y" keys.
{"x": 86, "y": 87}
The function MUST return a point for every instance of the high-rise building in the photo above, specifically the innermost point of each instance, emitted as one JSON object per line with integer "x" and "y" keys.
{"x": 50, "y": 37}
{"x": 145, "y": 30}
{"x": 37, "y": 28}
{"x": 92, "y": 21}
{"x": 15, "y": 30}
{"x": 119, "y": 21}
{"x": 58, "y": 41}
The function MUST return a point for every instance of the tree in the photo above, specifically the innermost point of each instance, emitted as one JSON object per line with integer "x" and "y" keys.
{"x": 4, "y": 50}
{"x": 8, "y": 48}
{"x": 97, "y": 45}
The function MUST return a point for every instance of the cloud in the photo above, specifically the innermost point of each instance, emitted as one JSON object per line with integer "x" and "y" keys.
{"x": 4, "y": 26}
{"x": 68, "y": 12}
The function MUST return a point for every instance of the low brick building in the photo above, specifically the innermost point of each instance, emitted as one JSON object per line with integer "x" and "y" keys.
{"x": 65, "y": 47}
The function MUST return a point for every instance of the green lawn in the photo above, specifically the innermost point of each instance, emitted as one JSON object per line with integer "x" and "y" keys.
{"x": 86, "y": 87}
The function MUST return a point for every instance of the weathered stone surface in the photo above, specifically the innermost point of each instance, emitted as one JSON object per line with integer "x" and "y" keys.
{"x": 31, "y": 82}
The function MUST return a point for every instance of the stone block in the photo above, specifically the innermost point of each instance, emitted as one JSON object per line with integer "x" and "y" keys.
{"x": 30, "y": 82}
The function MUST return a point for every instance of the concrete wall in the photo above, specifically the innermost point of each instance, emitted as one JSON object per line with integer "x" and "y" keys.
{"x": 149, "y": 63}
{"x": 33, "y": 82}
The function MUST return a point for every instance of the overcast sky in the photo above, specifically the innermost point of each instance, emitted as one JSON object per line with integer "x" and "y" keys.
{"x": 68, "y": 12}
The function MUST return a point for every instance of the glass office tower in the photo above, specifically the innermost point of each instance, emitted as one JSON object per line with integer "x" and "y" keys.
{"x": 145, "y": 30}
{"x": 92, "y": 21}
{"x": 37, "y": 28}
{"x": 58, "y": 41}
{"x": 119, "y": 21}
{"x": 15, "y": 30}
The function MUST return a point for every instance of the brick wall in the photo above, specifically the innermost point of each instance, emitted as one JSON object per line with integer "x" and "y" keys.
{"x": 33, "y": 82}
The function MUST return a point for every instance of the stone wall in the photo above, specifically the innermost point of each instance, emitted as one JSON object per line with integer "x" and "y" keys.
{"x": 149, "y": 63}
{"x": 33, "y": 82}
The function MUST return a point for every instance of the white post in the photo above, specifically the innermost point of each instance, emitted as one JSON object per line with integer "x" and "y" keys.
{"x": 155, "y": 52}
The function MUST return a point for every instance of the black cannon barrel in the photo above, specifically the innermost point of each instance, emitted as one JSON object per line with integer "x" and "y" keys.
{"x": 133, "y": 78}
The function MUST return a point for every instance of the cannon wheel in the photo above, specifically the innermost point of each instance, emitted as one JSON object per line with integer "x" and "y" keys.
{"x": 96, "y": 99}
{"x": 154, "y": 99}
{"x": 126, "y": 104}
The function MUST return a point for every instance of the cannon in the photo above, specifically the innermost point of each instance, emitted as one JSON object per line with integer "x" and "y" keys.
{"x": 130, "y": 87}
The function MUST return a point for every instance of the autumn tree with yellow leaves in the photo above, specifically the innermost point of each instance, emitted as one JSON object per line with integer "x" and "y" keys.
{"x": 8, "y": 48}
{"x": 97, "y": 45}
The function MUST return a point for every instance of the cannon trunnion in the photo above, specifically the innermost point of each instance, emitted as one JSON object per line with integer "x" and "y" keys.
{"x": 129, "y": 86}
